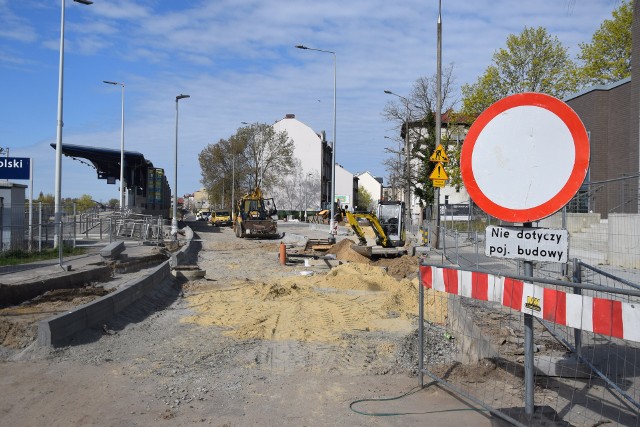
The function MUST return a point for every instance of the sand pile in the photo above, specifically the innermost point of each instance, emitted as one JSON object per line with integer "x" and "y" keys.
{"x": 342, "y": 250}
{"x": 315, "y": 308}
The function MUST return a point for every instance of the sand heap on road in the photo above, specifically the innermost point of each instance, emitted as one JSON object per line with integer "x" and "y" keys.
{"x": 342, "y": 250}
{"x": 321, "y": 308}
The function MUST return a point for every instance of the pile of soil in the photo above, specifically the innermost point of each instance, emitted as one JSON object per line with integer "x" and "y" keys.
{"x": 311, "y": 308}
{"x": 342, "y": 250}
{"x": 402, "y": 267}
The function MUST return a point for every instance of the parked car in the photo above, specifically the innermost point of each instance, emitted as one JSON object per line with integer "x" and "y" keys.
{"x": 203, "y": 215}
{"x": 220, "y": 218}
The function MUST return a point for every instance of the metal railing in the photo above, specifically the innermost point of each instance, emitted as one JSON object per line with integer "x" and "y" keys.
{"x": 20, "y": 232}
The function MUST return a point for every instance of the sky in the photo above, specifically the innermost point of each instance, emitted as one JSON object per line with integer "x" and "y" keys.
{"x": 237, "y": 61}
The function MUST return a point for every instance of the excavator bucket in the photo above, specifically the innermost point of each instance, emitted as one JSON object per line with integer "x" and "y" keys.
{"x": 362, "y": 250}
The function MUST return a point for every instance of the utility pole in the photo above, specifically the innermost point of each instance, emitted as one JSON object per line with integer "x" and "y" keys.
{"x": 436, "y": 202}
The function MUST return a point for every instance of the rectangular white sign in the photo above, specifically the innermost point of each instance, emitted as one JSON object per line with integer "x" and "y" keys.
{"x": 529, "y": 244}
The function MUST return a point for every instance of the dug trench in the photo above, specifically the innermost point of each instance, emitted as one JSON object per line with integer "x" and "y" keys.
{"x": 25, "y": 304}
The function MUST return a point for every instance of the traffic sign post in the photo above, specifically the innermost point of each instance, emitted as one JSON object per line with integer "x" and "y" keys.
{"x": 438, "y": 176}
{"x": 523, "y": 159}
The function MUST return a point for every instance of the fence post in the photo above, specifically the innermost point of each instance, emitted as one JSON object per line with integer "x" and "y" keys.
{"x": 74, "y": 224}
{"x": 577, "y": 278}
{"x": 420, "y": 331}
{"x": 39, "y": 226}
{"x": 477, "y": 253}
{"x": 60, "y": 240}
{"x": 1, "y": 224}
{"x": 456, "y": 235}
{"x": 443, "y": 225}
{"x": 110, "y": 228}
{"x": 528, "y": 348}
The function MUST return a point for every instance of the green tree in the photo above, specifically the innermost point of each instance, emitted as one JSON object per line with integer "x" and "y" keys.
{"x": 608, "y": 57}
{"x": 416, "y": 115}
{"x": 222, "y": 164}
{"x": 365, "y": 200}
{"x": 532, "y": 61}
{"x": 113, "y": 203}
{"x": 84, "y": 203}
{"x": 269, "y": 154}
{"x": 46, "y": 199}
{"x": 259, "y": 155}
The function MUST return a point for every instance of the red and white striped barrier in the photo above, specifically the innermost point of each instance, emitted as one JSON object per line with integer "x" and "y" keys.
{"x": 602, "y": 316}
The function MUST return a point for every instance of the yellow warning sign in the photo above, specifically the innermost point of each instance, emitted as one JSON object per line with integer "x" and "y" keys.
{"x": 439, "y": 155}
{"x": 438, "y": 182}
{"x": 439, "y": 173}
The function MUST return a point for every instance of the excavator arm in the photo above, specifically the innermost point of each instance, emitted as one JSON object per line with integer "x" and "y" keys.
{"x": 381, "y": 237}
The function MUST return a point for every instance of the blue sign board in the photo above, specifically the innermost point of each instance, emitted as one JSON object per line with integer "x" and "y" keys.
{"x": 14, "y": 167}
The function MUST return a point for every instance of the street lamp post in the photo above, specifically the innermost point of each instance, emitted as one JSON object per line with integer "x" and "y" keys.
{"x": 174, "y": 220}
{"x": 122, "y": 186}
{"x": 306, "y": 191}
{"x": 407, "y": 166}
{"x": 394, "y": 173}
{"x": 333, "y": 229}
{"x": 58, "y": 170}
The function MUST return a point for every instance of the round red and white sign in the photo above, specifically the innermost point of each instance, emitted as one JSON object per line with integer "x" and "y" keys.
{"x": 525, "y": 157}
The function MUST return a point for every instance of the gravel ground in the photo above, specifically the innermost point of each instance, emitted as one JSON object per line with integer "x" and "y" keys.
{"x": 152, "y": 366}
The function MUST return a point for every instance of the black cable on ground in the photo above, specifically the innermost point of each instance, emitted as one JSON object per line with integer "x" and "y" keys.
{"x": 391, "y": 414}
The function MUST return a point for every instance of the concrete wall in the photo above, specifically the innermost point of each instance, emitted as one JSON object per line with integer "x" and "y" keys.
{"x": 623, "y": 244}
{"x": 58, "y": 331}
{"x": 575, "y": 222}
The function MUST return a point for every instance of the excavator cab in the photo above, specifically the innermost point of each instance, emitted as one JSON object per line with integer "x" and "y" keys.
{"x": 388, "y": 227}
{"x": 391, "y": 218}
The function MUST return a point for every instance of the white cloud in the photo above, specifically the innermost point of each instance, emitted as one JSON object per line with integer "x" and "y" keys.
{"x": 238, "y": 62}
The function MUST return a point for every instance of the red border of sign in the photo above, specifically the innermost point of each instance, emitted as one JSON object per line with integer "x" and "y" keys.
{"x": 569, "y": 189}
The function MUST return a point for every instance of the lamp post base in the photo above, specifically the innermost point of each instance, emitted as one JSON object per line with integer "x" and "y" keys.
{"x": 333, "y": 230}
{"x": 174, "y": 228}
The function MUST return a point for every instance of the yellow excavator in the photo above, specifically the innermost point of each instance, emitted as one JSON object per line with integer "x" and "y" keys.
{"x": 387, "y": 222}
{"x": 254, "y": 216}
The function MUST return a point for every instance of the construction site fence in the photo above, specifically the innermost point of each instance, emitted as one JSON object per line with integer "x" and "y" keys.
{"x": 533, "y": 350}
{"x": 34, "y": 229}
{"x": 612, "y": 244}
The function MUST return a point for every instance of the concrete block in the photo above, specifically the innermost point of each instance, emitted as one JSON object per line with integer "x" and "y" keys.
{"x": 112, "y": 250}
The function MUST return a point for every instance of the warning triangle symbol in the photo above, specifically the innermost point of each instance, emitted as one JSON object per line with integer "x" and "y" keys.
{"x": 438, "y": 172}
{"x": 439, "y": 155}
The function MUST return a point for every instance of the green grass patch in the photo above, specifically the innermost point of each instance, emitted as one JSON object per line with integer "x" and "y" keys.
{"x": 15, "y": 257}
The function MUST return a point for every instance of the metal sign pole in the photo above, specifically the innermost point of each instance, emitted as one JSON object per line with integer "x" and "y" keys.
{"x": 528, "y": 348}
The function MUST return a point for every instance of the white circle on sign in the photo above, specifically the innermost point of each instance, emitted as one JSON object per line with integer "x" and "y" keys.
{"x": 525, "y": 157}
{"x": 530, "y": 170}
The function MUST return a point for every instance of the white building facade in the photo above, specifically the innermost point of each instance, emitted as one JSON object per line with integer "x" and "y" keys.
{"x": 373, "y": 185}
{"x": 308, "y": 187}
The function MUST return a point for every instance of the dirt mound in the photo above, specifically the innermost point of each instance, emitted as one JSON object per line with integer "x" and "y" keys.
{"x": 320, "y": 308}
{"x": 402, "y": 267}
{"x": 342, "y": 250}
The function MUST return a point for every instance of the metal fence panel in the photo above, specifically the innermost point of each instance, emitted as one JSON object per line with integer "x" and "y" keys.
{"x": 474, "y": 336}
